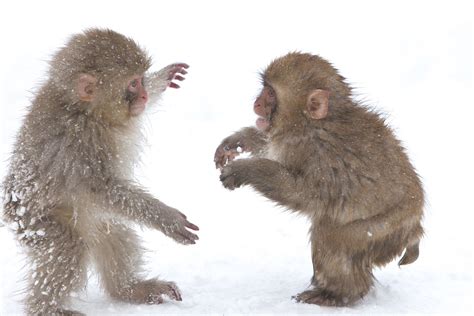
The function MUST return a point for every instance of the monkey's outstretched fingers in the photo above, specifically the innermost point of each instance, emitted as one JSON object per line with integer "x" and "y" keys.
{"x": 191, "y": 236}
{"x": 224, "y": 155}
{"x": 185, "y": 237}
{"x": 177, "y": 68}
{"x": 220, "y": 158}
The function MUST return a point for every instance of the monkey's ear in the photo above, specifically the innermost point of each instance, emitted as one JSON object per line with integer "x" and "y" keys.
{"x": 317, "y": 104}
{"x": 85, "y": 87}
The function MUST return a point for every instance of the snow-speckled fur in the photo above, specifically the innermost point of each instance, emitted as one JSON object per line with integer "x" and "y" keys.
{"x": 69, "y": 192}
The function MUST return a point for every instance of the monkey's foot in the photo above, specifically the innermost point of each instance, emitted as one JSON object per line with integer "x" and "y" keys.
{"x": 54, "y": 311}
{"x": 321, "y": 297}
{"x": 68, "y": 312}
{"x": 151, "y": 292}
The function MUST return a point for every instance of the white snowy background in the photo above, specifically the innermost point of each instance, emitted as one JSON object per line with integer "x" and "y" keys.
{"x": 410, "y": 59}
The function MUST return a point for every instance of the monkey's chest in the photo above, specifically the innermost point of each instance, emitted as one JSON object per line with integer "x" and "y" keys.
{"x": 289, "y": 155}
{"x": 273, "y": 152}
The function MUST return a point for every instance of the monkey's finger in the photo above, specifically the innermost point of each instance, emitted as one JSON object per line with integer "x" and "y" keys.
{"x": 191, "y": 225}
{"x": 220, "y": 158}
{"x": 175, "y": 75}
{"x": 186, "y": 241}
{"x": 174, "y": 293}
{"x": 173, "y": 85}
{"x": 218, "y": 154}
{"x": 177, "y": 68}
{"x": 230, "y": 155}
{"x": 175, "y": 71}
{"x": 181, "y": 65}
{"x": 179, "y": 238}
{"x": 178, "y": 293}
{"x": 221, "y": 163}
{"x": 184, "y": 237}
{"x": 190, "y": 235}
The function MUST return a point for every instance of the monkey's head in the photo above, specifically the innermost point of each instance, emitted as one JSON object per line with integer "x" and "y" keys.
{"x": 100, "y": 72}
{"x": 297, "y": 88}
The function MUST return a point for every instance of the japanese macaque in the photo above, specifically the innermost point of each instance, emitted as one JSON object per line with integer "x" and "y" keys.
{"x": 317, "y": 152}
{"x": 70, "y": 194}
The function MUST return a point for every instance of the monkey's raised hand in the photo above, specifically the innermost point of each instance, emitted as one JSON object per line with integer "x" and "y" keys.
{"x": 248, "y": 139}
{"x": 266, "y": 176}
{"x": 158, "y": 81}
{"x": 174, "y": 224}
{"x": 227, "y": 151}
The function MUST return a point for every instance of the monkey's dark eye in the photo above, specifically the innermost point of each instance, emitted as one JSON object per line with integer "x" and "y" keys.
{"x": 134, "y": 83}
{"x": 271, "y": 93}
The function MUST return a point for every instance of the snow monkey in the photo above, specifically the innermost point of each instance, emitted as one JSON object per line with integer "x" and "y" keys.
{"x": 70, "y": 194}
{"x": 318, "y": 152}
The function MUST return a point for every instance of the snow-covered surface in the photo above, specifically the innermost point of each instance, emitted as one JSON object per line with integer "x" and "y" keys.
{"x": 411, "y": 59}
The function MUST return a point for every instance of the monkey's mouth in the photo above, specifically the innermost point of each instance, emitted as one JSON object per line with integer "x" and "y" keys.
{"x": 136, "y": 108}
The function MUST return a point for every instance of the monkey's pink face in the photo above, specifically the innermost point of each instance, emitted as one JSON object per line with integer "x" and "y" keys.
{"x": 264, "y": 106}
{"x": 136, "y": 95}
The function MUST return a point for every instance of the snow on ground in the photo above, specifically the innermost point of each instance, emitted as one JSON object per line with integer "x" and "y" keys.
{"x": 412, "y": 60}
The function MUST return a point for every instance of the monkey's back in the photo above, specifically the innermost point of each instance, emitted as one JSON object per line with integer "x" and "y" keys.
{"x": 354, "y": 166}
{"x": 55, "y": 152}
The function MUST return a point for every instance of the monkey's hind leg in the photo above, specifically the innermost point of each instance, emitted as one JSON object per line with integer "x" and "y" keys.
{"x": 339, "y": 279}
{"x": 117, "y": 255}
{"x": 57, "y": 259}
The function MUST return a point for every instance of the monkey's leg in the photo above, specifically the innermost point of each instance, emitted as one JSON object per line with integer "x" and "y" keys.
{"x": 117, "y": 255}
{"x": 387, "y": 249}
{"x": 339, "y": 279}
{"x": 57, "y": 257}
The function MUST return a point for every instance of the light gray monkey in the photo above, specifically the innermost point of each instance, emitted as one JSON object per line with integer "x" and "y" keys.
{"x": 69, "y": 193}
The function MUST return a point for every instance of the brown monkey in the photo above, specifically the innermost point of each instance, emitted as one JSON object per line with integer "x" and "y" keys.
{"x": 70, "y": 194}
{"x": 318, "y": 152}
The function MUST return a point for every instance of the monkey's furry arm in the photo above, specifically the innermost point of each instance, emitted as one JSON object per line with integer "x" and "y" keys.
{"x": 157, "y": 82}
{"x": 275, "y": 182}
{"x": 135, "y": 204}
{"x": 248, "y": 139}
{"x": 266, "y": 176}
